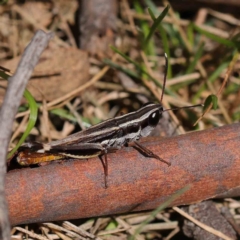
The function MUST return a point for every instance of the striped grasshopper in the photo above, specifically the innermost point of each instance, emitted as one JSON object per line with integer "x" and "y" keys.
{"x": 101, "y": 139}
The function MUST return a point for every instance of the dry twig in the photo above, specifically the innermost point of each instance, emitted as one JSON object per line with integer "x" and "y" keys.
{"x": 16, "y": 86}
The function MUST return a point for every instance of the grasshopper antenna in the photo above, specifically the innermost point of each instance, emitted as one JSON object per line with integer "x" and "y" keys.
{"x": 174, "y": 109}
{"x": 163, "y": 88}
{"x": 165, "y": 75}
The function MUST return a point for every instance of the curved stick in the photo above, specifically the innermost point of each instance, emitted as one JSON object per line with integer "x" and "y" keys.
{"x": 208, "y": 160}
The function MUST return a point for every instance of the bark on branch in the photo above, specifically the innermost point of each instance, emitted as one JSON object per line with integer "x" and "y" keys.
{"x": 208, "y": 160}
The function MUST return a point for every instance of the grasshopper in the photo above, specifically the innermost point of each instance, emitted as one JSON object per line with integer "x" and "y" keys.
{"x": 101, "y": 139}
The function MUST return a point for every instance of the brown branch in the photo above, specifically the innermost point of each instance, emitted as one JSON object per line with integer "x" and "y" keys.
{"x": 16, "y": 86}
{"x": 208, "y": 160}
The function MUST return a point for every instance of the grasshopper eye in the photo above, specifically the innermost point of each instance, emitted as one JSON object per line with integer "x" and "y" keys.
{"x": 154, "y": 118}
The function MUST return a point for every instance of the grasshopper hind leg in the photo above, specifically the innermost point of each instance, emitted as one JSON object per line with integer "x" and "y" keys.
{"x": 105, "y": 162}
{"x": 146, "y": 152}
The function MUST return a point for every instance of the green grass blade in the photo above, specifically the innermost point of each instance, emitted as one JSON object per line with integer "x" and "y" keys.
{"x": 226, "y": 42}
{"x": 33, "y": 107}
{"x": 166, "y": 48}
{"x": 141, "y": 70}
{"x": 163, "y": 35}
{"x": 190, "y": 34}
{"x": 151, "y": 14}
{"x": 217, "y": 72}
{"x": 160, "y": 208}
{"x": 151, "y": 5}
{"x": 31, "y": 122}
{"x": 120, "y": 68}
{"x": 63, "y": 113}
{"x": 128, "y": 59}
{"x": 197, "y": 56}
{"x": 211, "y": 79}
{"x": 155, "y": 25}
{"x": 145, "y": 28}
